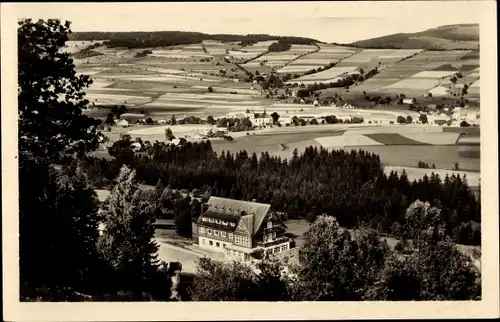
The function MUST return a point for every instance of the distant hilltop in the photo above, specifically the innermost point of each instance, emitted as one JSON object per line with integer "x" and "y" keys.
{"x": 144, "y": 39}
{"x": 461, "y": 36}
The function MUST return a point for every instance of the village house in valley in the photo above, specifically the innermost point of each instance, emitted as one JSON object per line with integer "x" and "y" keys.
{"x": 241, "y": 228}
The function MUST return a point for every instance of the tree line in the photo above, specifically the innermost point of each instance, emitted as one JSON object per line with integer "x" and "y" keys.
{"x": 349, "y": 185}
{"x": 143, "y": 39}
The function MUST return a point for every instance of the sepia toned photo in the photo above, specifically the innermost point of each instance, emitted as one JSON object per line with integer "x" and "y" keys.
{"x": 244, "y": 154}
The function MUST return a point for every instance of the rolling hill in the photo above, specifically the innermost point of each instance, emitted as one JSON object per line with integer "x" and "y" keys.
{"x": 461, "y": 36}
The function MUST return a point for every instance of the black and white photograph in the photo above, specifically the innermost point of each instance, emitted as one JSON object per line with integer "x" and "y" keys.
{"x": 246, "y": 158}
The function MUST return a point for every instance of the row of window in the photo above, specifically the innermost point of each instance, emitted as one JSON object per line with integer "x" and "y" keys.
{"x": 270, "y": 236}
{"x": 278, "y": 249}
{"x": 212, "y": 243}
{"x": 216, "y": 232}
{"x": 243, "y": 241}
{"x": 218, "y": 221}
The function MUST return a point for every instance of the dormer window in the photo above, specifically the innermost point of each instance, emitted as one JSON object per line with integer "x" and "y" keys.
{"x": 269, "y": 224}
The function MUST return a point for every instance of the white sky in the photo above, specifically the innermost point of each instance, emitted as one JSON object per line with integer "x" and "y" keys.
{"x": 341, "y": 22}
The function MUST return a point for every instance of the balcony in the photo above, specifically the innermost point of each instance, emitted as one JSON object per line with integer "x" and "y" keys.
{"x": 277, "y": 241}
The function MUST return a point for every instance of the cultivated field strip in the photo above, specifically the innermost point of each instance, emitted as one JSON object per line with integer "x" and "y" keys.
{"x": 424, "y": 84}
{"x": 380, "y": 58}
{"x": 433, "y": 138}
{"x": 342, "y": 141}
{"x": 323, "y": 57}
{"x": 396, "y": 129}
{"x": 394, "y": 139}
{"x": 433, "y": 74}
{"x": 114, "y": 99}
{"x": 325, "y": 75}
{"x": 218, "y": 89}
{"x": 176, "y": 129}
{"x": 399, "y": 75}
{"x": 279, "y": 59}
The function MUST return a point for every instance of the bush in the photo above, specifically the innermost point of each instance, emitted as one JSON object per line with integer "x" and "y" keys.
{"x": 399, "y": 247}
{"x": 464, "y": 124}
{"x": 423, "y": 165}
{"x": 279, "y": 46}
{"x": 357, "y": 120}
{"x": 401, "y": 120}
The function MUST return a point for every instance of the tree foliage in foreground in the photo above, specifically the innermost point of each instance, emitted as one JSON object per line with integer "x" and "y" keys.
{"x": 127, "y": 243}
{"x": 235, "y": 281}
{"x": 336, "y": 265}
{"x": 58, "y": 227}
{"x": 50, "y": 94}
{"x": 58, "y": 210}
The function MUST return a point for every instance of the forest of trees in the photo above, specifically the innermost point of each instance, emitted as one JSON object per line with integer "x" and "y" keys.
{"x": 348, "y": 185}
{"x": 143, "y": 39}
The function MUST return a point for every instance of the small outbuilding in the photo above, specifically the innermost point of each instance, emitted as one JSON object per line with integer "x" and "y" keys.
{"x": 122, "y": 123}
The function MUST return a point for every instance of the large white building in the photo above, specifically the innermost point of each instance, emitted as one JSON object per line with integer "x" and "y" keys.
{"x": 240, "y": 228}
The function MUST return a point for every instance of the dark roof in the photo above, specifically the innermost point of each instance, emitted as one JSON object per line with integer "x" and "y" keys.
{"x": 256, "y": 210}
{"x": 222, "y": 216}
{"x": 214, "y": 225}
{"x": 251, "y": 214}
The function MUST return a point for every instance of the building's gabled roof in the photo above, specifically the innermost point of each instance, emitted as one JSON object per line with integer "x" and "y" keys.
{"x": 210, "y": 213}
{"x": 243, "y": 227}
{"x": 252, "y": 214}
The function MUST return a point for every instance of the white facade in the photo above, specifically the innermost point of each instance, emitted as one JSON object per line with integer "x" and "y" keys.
{"x": 278, "y": 248}
{"x": 344, "y": 118}
{"x": 122, "y": 123}
{"x": 261, "y": 121}
{"x": 285, "y": 120}
{"x": 212, "y": 244}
